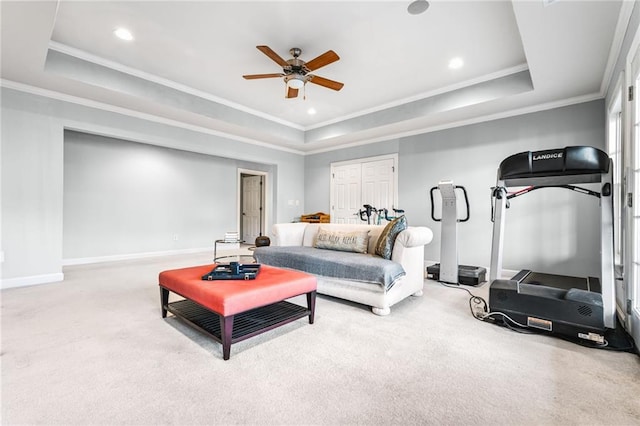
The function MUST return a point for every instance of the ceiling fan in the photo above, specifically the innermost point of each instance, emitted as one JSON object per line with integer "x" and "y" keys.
{"x": 296, "y": 71}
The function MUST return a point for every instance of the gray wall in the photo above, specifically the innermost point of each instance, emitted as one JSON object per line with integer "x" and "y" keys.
{"x": 123, "y": 197}
{"x": 550, "y": 230}
{"x": 33, "y": 169}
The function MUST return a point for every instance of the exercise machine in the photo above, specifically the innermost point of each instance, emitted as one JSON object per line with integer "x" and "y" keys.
{"x": 377, "y": 214}
{"x": 448, "y": 270}
{"x": 368, "y": 211}
{"x": 576, "y": 307}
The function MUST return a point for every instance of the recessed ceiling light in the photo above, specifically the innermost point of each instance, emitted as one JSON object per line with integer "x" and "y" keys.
{"x": 311, "y": 111}
{"x": 417, "y": 7}
{"x": 123, "y": 33}
{"x": 456, "y": 63}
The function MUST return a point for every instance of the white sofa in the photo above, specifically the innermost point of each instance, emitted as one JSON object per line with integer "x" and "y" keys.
{"x": 408, "y": 251}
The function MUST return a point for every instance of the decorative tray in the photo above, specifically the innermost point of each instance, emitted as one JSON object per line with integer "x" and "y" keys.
{"x": 233, "y": 271}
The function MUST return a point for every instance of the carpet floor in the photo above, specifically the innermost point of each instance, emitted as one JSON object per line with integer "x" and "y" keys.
{"x": 94, "y": 350}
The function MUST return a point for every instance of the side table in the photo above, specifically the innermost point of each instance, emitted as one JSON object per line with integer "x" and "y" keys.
{"x": 223, "y": 241}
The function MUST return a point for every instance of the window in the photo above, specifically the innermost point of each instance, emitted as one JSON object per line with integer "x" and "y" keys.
{"x": 634, "y": 246}
{"x": 635, "y": 172}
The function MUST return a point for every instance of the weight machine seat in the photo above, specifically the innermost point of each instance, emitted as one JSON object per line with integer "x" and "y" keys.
{"x": 571, "y": 160}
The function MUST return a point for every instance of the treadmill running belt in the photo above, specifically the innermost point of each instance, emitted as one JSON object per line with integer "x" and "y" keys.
{"x": 561, "y": 281}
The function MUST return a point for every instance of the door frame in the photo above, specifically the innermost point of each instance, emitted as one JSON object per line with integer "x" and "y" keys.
{"x": 632, "y": 276}
{"x": 615, "y": 115}
{"x": 265, "y": 194}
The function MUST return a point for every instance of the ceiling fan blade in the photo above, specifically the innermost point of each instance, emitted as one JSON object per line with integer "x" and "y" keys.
{"x": 292, "y": 93}
{"x": 325, "y": 59}
{"x": 335, "y": 85}
{"x": 254, "y": 76}
{"x": 273, "y": 55}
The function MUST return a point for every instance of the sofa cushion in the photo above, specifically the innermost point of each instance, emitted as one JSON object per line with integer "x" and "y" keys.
{"x": 353, "y": 241}
{"x": 386, "y": 240}
{"x": 328, "y": 263}
{"x": 288, "y": 234}
{"x": 311, "y": 231}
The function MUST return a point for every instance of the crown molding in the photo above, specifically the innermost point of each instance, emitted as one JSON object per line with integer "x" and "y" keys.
{"x": 626, "y": 9}
{"x": 425, "y": 95}
{"x": 429, "y": 129}
{"x": 85, "y": 56}
{"x": 141, "y": 115}
{"x": 467, "y": 122}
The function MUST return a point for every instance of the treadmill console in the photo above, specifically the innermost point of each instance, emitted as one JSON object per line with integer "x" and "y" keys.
{"x": 572, "y": 160}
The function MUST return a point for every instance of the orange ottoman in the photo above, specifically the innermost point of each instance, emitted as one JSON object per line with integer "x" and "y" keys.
{"x": 234, "y": 310}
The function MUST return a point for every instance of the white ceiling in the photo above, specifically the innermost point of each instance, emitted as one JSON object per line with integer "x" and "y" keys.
{"x": 188, "y": 59}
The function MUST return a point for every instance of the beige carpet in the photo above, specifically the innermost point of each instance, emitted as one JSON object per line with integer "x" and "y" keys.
{"x": 95, "y": 350}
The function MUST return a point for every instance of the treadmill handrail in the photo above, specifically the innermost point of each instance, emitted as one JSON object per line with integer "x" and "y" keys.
{"x": 552, "y": 180}
{"x": 571, "y": 187}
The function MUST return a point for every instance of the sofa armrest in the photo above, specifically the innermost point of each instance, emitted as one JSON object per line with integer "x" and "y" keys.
{"x": 415, "y": 236}
{"x": 408, "y": 251}
{"x": 288, "y": 234}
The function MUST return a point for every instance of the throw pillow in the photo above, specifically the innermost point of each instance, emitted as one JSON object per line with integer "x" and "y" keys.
{"x": 387, "y": 238}
{"x": 354, "y": 241}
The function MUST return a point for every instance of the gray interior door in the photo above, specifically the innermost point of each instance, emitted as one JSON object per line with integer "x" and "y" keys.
{"x": 251, "y": 207}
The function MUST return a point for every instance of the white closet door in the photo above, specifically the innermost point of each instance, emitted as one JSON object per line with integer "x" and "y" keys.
{"x": 363, "y": 181}
{"x": 378, "y": 184}
{"x": 345, "y": 193}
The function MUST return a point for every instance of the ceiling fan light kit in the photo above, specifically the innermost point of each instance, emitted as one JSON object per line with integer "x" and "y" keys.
{"x": 295, "y": 81}
{"x": 296, "y": 71}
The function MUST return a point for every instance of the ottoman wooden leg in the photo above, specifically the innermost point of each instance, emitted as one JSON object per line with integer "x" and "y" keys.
{"x": 226, "y": 334}
{"x": 311, "y": 304}
{"x": 164, "y": 301}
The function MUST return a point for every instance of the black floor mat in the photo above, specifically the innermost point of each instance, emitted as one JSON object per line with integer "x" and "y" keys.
{"x": 616, "y": 340}
{"x": 620, "y": 340}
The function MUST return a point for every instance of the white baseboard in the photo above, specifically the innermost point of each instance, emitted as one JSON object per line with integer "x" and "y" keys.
{"x": 33, "y": 280}
{"x": 133, "y": 256}
{"x": 52, "y": 278}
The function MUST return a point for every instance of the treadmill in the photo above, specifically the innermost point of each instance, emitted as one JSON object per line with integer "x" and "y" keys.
{"x": 575, "y": 307}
